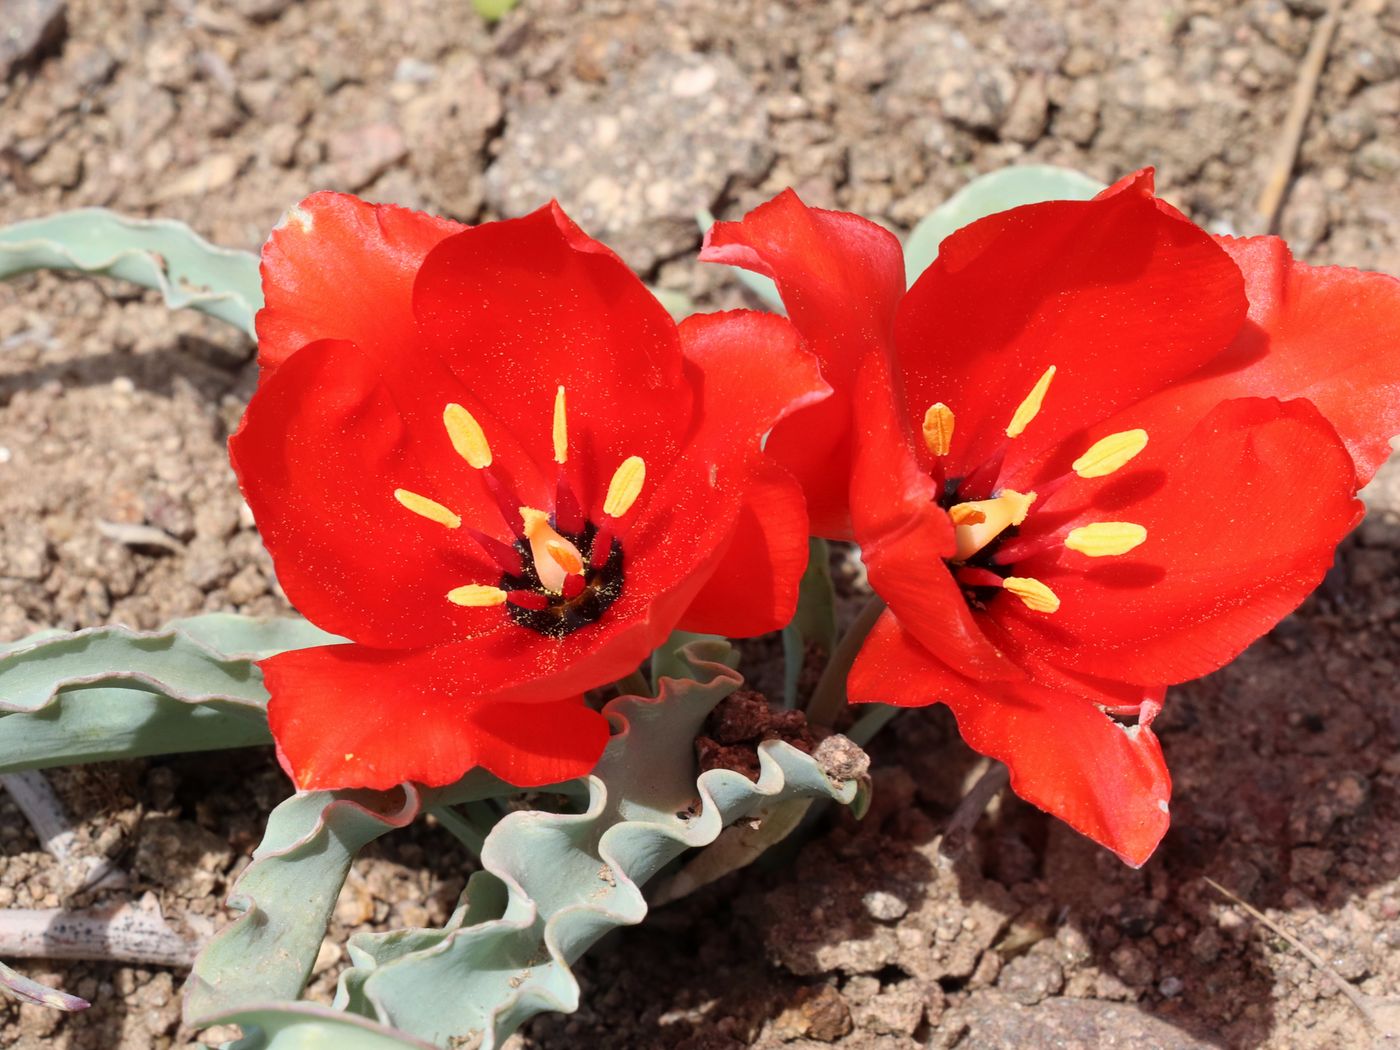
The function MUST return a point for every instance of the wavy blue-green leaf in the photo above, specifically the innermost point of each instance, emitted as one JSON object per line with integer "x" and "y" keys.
{"x": 287, "y": 893}
{"x": 168, "y": 256}
{"x": 987, "y": 195}
{"x": 305, "y": 1026}
{"x": 110, "y": 692}
{"x": 554, "y": 883}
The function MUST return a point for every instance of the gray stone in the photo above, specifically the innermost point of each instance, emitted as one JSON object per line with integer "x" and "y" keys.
{"x": 634, "y": 163}
{"x": 27, "y": 29}
{"x": 994, "y": 1022}
{"x": 1030, "y": 978}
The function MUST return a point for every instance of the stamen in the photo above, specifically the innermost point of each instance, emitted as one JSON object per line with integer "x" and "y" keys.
{"x": 561, "y": 429}
{"x": 427, "y": 508}
{"x": 531, "y": 600}
{"x": 938, "y": 428}
{"x": 625, "y": 487}
{"x": 476, "y": 596}
{"x": 568, "y": 513}
{"x": 1108, "y": 454}
{"x": 1105, "y": 538}
{"x": 504, "y": 555}
{"x": 566, "y": 557}
{"x": 467, "y": 436}
{"x": 1034, "y": 595}
{"x": 987, "y": 519}
{"x": 573, "y": 586}
{"x": 1030, "y": 407}
{"x": 601, "y": 550}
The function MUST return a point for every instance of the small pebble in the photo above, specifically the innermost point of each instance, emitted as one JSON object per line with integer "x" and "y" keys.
{"x": 1171, "y": 987}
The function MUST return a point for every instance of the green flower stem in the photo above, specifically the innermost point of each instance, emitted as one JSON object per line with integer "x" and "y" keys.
{"x": 871, "y": 721}
{"x": 830, "y": 694}
{"x": 469, "y": 829}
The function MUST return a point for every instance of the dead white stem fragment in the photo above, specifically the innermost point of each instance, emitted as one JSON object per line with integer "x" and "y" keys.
{"x": 124, "y": 934}
{"x": 139, "y": 536}
{"x": 41, "y": 807}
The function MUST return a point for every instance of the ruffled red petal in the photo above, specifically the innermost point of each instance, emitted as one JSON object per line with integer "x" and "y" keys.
{"x": 1242, "y": 520}
{"x": 1122, "y": 296}
{"x": 841, "y": 278}
{"x": 1106, "y": 780}
{"x": 1329, "y": 334}
{"x": 516, "y": 309}
{"x": 341, "y": 268}
{"x": 345, "y": 716}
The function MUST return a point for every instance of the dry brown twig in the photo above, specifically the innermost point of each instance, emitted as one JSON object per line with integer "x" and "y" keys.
{"x": 1291, "y": 137}
{"x": 1383, "y": 1015}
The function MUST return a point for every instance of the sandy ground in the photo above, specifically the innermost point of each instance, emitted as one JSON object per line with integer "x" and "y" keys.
{"x": 1287, "y": 764}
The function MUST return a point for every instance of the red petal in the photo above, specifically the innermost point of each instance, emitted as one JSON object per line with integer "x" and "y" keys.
{"x": 341, "y": 268}
{"x": 905, "y": 536}
{"x": 754, "y": 372}
{"x": 319, "y": 454}
{"x": 344, "y": 716}
{"x": 1120, "y": 295}
{"x": 1242, "y": 521}
{"x": 1328, "y": 334}
{"x": 1066, "y": 756}
{"x": 841, "y": 278}
{"x": 516, "y": 309}
{"x": 754, "y": 589}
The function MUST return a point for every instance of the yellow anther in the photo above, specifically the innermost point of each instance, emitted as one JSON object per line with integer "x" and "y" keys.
{"x": 1108, "y": 454}
{"x": 625, "y": 487}
{"x": 938, "y": 428}
{"x": 561, "y": 428}
{"x": 467, "y": 436}
{"x": 966, "y": 514}
{"x": 427, "y": 508}
{"x": 476, "y": 596}
{"x": 977, "y": 524}
{"x": 1030, "y": 407}
{"x": 1105, "y": 538}
{"x": 565, "y": 555}
{"x": 1034, "y": 595}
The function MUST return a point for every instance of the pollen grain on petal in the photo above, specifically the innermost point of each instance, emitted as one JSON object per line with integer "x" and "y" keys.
{"x": 1028, "y": 409}
{"x": 467, "y": 436}
{"x": 561, "y": 429}
{"x": 1108, "y": 454}
{"x": 476, "y": 596}
{"x": 938, "y": 428}
{"x": 1106, "y": 538}
{"x": 427, "y": 508}
{"x": 1033, "y": 594}
{"x": 625, "y": 487}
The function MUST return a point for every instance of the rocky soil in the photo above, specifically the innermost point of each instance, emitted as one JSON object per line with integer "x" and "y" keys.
{"x": 113, "y": 414}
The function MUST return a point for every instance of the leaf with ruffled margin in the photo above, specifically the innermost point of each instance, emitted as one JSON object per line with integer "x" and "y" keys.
{"x": 111, "y": 692}
{"x": 162, "y": 254}
{"x": 305, "y": 1026}
{"x": 17, "y": 986}
{"x": 288, "y": 892}
{"x": 987, "y": 195}
{"x": 552, "y": 885}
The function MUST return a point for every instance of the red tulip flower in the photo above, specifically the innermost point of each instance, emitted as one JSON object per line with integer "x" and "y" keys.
{"x": 1096, "y": 452}
{"x": 490, "y": 459}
